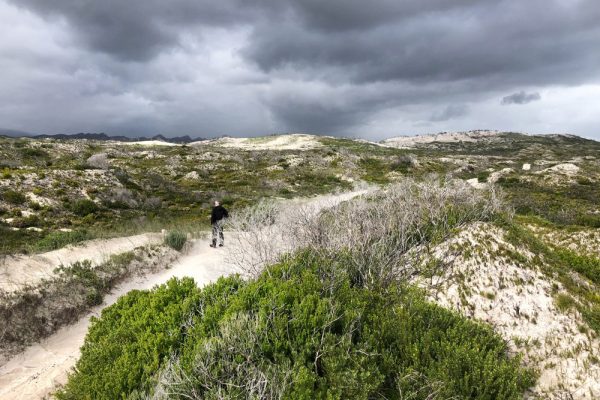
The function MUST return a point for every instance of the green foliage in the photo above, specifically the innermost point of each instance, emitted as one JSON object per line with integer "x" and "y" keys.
{"x": 583, "y": 180}
{"x": 564, "y": 302}
{"x": 375, "y": 170}
{"x": 13, "y": 197}
{"x": 573, "y": 204}
{"x": 176, "y": 240}
{"x": 56, "y": 240}
{"x": 34, "y": 153}
{"x": 586, "y": 265}
{"x": 483, "y": 176}
{"x": 32, "y": 220}
{"x": 303, "y": 328}
{"x": 125, "y": 347}
{"x": 84, "y": 207}
{"x": 11, "y": 241}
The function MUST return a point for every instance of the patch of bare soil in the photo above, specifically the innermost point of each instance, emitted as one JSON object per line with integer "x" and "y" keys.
{"x": 489, "y": 282}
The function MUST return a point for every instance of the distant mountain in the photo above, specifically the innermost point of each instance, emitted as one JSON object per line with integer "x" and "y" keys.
{"x": 480, "y": 138}
{"x": 14, "y": 133}
{"x": 100, "y": 136}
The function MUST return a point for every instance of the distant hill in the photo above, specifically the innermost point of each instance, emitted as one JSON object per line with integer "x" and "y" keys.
{"x": 14, "y": 133}
{"x": 481, "y": 139}
{"x": 99, "y": 136}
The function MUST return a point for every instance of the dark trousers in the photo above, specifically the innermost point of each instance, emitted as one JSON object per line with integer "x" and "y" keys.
{"x": 217, "y": 233}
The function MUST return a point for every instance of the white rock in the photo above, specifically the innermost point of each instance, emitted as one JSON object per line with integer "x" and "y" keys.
{"x": 192, "y": 175}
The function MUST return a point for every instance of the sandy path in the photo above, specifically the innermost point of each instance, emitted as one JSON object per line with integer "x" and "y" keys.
{"x": 20, "y": 270}
{"x": 34, "y": 373}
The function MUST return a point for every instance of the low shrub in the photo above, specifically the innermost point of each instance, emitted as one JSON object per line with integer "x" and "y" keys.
{"x": 175, "y": 240}
{"x": 25, "y": 222}
{"x": 34, "y": 153}
{"x": 302, "y": 330}
{"x": 57, "y": 240}
{"x": 375, "y": 170}
{"x": 84, "y": 207}
{"x": 564, "y": 302}
{"x": 126, "y": 346}
{"x": 586, "y": 265}
{"x": 13, "y": 197}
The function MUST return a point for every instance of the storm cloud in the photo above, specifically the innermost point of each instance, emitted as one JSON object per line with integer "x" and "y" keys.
{"x": 451, "y": 111}
{"x": 521, "y": 98}
{"x": 339, "y": 67}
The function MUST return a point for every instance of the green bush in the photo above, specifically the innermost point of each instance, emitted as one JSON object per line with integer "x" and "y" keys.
{"x": 126, "y": 346}
{"x": 564, "y": 302}
{"x": 25, "y": 222}
{"x": 375, "y": 170}
{"x": 13, "y": 197}
{"x": 483, "y": 176}
{"x": 84, "y": 207}
{"x": 302, "y": 328}
{"x": 57, "y": 240}
{"x": 586, "y": 265}
{"x": 176, "y": 240}
{"x": 34, "y": 153}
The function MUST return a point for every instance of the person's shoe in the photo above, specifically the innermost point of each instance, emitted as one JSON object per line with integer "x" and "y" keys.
{"x": 213, "y": 245}
{"x": 221, "y": 245}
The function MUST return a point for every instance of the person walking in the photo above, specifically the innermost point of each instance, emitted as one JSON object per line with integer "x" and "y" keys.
{"x": 219, "y": 213}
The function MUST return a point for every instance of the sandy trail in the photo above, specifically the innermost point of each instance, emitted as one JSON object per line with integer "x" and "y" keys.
{"x": 35, "y": 373}
{"x": 18, "y": 271}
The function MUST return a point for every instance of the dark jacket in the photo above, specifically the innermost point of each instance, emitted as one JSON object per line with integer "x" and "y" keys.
{"x": 218, "y": 213}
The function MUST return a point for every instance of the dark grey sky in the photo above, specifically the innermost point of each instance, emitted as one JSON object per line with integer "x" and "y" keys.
{"x": 344, "y": 67}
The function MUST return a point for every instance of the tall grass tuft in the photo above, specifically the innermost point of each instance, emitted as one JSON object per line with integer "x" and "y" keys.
{"x": 176, "y": 240}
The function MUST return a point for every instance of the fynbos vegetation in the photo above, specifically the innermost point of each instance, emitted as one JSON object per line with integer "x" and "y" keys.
{"x": 324, "y": 322}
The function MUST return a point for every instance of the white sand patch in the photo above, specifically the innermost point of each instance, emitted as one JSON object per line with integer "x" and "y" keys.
{"x": 365, "y": 141}
{"x": 566, "y": 169}
{"x": 559, "y": 174}
{"x": 149, "y": 143}
{"x": 494, "y": 176}
{"x": 474, "y": 182}
{"x": 451, "y": 160}
{"x": 20, "y": 270}
{"x": 274, "y": 168}
{"x": 276, "y": 142}
{"x": 518, "y": 302}
{"x": 192, "y": 176}
{"x": 150, "y": 154}
{"x": 445, "y": 137}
